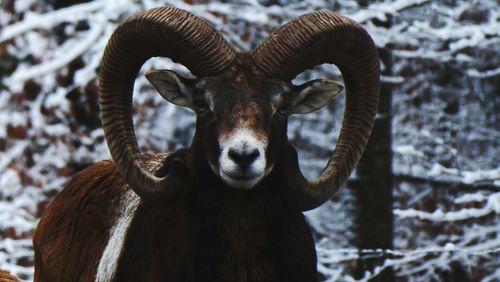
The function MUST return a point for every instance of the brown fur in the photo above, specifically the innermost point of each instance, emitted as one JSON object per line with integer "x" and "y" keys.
{"x": 208, "y": 232}
{"x": 218, "y": 233}
{"x": 243, "y": 116}
{"x": 7, "y": 277}
{"x": 73, "y": 231}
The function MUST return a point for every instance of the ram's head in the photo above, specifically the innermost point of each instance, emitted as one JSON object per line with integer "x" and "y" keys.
{"x": 242, "y": 100}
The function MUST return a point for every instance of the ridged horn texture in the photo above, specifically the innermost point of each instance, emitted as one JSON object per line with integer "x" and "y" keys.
{"x": 166, "y": 32}
{"x": 310, "y": 40}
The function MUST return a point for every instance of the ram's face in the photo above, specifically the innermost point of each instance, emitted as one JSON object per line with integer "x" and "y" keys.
{"x": 241, "y": 120}
{"x": 243, "y": 129}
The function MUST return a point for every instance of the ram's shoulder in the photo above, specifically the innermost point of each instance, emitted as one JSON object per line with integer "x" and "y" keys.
{"x": 74, "y": 228}
{"x": 88, "y": 196}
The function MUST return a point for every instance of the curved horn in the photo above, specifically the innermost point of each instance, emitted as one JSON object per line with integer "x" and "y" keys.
{"x": 166, "y": 32}
{"x": 310, "y": 40}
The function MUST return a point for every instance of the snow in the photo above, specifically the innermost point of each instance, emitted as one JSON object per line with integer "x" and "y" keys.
{"x": 484, "y": 74}
{"x": 64, "y": 55}
{"x": 468, "y": 198}
{"x": 474, "y": 176}
{"x": 10, "y": 182}
{"x": 408, "y": 150}
{"x": 492, "y": 206}
{"x": 49, "y": 20}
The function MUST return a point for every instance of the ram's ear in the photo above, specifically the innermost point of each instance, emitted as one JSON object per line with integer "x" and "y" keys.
{"x": 312, "y": 96}
{"x": 173, "y": 87}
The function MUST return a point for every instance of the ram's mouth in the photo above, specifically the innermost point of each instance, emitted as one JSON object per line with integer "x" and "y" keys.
{"x": 241, "y": 181}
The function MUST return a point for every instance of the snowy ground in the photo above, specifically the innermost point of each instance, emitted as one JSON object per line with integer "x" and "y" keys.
{"x": 446, "y": 122}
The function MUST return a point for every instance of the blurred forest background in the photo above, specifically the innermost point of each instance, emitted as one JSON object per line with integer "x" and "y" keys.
{"x": 424, "y": 203}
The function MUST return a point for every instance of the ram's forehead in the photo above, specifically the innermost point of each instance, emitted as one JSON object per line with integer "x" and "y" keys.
{"x": 239, "y": 98}
{"x": 228, "y": 94}
{"x": 243, "y": 115}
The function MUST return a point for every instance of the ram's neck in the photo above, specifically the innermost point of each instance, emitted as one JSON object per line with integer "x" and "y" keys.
{"x": 235, "y": 234}
{"x": 244, "y": 232}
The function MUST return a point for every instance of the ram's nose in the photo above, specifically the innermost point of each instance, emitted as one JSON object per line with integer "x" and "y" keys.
{"x": 243, "y": 158}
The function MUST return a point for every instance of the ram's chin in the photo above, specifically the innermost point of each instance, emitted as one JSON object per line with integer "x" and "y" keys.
{"x": 241, "y": 183}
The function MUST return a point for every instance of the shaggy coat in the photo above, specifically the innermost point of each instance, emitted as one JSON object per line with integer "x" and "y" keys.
{"x": 207, "y": 232}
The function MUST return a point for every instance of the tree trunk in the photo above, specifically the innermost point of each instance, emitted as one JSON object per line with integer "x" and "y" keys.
{"x": 372, "y": 189}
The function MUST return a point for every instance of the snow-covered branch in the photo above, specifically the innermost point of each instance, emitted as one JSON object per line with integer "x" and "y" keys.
{"x": 492, "y": 205}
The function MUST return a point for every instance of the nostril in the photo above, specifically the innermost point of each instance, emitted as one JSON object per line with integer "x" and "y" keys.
{"x": 243, "y": 158}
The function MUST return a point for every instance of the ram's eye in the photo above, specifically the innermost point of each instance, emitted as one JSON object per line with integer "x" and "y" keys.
{"x": 282, "y": 111}
{"x": 200, "y": 106}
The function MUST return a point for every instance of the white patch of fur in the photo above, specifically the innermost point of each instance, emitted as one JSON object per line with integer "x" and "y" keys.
{"x": 242, "y": 140}
{"x": 210, "y": 99}
{"x": 118, "y": 233}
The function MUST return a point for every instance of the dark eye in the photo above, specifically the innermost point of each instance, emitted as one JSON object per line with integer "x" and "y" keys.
{"x": 200, "y": 102}
{"x": 200, "y": 106}
{"x": 282, "y": 111}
